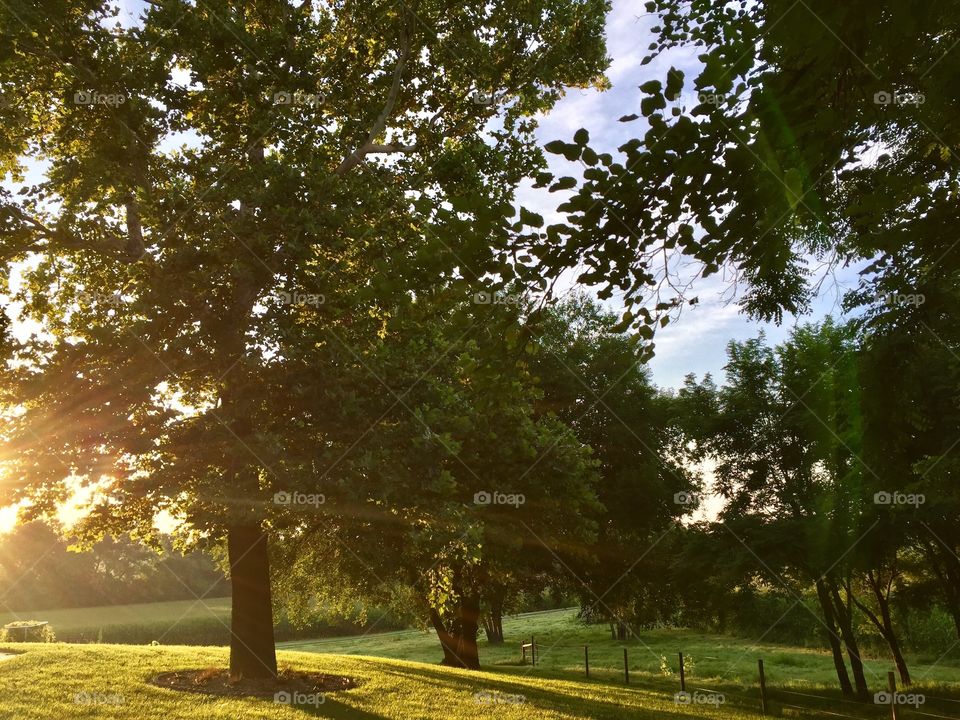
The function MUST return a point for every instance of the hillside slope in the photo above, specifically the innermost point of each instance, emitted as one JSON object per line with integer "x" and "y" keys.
{"x": 110, "y": 681}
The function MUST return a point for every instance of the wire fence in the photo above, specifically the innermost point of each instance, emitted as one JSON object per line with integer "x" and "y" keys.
{"x": 893, "y": 703}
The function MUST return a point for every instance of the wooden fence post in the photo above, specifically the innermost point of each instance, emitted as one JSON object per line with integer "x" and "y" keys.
{"x": 626, "y": 668}
{"x": 763, "y": 688}
{"x": 586, "y": 660}
{"x": 533, "y": 649}
{"x": 892, "y": 682}
{"x": 683, "y": 677}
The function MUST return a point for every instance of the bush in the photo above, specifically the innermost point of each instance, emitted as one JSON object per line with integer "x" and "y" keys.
{"x": 28, "y": 631}
{"x": 931, "y": 631}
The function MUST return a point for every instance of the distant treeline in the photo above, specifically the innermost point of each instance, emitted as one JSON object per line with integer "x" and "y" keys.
{"x": 39, "y": 572}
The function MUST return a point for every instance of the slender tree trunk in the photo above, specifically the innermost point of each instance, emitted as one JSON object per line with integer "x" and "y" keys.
{"x": 823, "y": 595}
{"x": 252, "y": 649}
{"x": 844, "y": 614}
{"x": 884, "y": 625}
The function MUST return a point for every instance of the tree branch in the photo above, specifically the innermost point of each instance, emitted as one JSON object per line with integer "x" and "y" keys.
{"x": 380, "y": 124}
{"x": 129, "y": 249}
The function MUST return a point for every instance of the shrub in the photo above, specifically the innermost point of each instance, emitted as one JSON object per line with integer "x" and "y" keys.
{"x": 28, "y": 631}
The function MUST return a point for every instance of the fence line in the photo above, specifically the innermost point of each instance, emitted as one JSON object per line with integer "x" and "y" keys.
{"x": 817, "y": 697}
{"x": 764, "y": 694}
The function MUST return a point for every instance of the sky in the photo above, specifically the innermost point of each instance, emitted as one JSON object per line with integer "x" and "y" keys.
{"x": 697, "y": 341}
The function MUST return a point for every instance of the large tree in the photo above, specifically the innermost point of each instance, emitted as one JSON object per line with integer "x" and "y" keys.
{"x": 467, "y": 492}
{"x": 228, "y": 191}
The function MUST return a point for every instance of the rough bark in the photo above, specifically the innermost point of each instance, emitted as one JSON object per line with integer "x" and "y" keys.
{"x": 252, "y": 650}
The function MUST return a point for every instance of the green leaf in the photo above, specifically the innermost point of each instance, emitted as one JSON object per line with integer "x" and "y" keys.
{"x": 564, "y": 183}
{"x": 555, "y": 147}
{"x": 674, "y": 84}
{"x": 530, "y": 218}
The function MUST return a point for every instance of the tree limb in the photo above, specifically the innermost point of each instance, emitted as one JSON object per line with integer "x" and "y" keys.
{"x": 355, "y": 158}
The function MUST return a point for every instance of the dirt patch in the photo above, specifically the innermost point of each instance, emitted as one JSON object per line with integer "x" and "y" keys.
{"x": 291, "y": 686}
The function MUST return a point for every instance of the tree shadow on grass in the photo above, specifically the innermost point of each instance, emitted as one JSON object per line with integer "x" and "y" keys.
{"x": 544, "y": 698}
{"x": 333, "y": 709}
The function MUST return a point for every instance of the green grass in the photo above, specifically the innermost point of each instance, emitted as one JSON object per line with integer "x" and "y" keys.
{"x": 406, "y": 682}
{"x": 145, "y": 621}
{"x": 73, "y": 618}
{"x": 713, "y": 662}
{"x": 182, "y": 622}
{"x": 561, "y": 638}
{"x": 43, "y": 682}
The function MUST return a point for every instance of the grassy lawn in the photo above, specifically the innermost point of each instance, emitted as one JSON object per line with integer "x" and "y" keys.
{"x": 172, "y": 611}
{"x": 712, "y": 662}
{"x": 109, "y": 680}
{"x": 708, "y": 657}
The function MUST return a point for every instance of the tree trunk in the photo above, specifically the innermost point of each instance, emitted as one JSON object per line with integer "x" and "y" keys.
{"x": 493, "y": 621}
{"x": 844, "y": 612}
{"x": 252, "y": 650}
{"x": 884, "y": 625}
{"x": 833, "y": 637}
{"x": 493, "y": 627}
{"x": 459, "y": 638}
{"x": 447, "y": 641}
